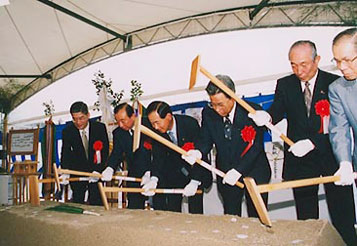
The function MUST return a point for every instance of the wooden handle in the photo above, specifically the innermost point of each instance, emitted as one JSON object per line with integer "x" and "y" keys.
{"x": 299, "y": 183}
{"x": 103, "y": 196}
{"x": 34, "y": 190}
{"x": 176, "y": 148}
{"x": 79, "y": 173}
{"x": 278, "y": 132}
{"x": 257, "y": 201}
{"x": 139, "y": 190}
{"x": 97, "y": 175}
{"x": 46, "y": 181}
{"x": 241, "y": 102}
{"x": 56, "y": 177}
{"x": 136, "y": 137}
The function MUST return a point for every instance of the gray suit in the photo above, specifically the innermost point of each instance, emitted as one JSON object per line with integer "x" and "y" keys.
{"x": 343, "y": 117}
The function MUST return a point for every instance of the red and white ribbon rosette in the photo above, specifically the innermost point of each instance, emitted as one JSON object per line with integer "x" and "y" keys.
{"x": 148, "y": 145}
{"x": 188, "y": 146}
{"x": 248, "y": 135}
{"x": 97, "y": 146}
{"x": 322, "y": 109}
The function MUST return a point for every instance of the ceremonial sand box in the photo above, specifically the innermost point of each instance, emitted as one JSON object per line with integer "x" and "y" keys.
{"x": 26, "y": 225}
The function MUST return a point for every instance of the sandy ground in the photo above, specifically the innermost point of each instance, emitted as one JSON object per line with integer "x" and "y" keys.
{"x": 26, "y": 225}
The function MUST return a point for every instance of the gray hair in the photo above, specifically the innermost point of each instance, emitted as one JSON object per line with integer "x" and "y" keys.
{"x": 348, "y": 33}
{"x": 212, "y": 89}
{"x": 305, "y": 42}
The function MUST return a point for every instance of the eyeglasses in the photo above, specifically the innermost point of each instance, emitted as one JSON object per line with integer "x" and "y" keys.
{"x": 346, "y": 61}
{"x": 214, "y": 106}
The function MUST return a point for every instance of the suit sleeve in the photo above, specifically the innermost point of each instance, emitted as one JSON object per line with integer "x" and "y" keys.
{"x": 105, "y": 151}
{"x": 339, "y": 127}
{"x": 256, "y": 154}
{"x": 158, "y": 160}
{"x": 116, "y": 156}
{"x": 278, "y": 109}
{"x": 142, "y": 157}
{"x": 67, "y": 156}
{"x": 205, "y": 142}
{"x": 197, "y": 171}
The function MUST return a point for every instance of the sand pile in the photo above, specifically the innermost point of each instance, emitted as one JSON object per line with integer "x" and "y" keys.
{"x": 26, "y": 225}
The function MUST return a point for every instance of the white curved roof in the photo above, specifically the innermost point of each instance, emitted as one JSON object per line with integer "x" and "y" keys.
{"x": 58, "y": 37}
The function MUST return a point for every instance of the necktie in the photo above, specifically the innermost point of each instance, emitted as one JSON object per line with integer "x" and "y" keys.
{"x": 307, "y": 97}
{"x": 227, "y": 128}
{"x": 172, "y": 137}
{"x": 85, "y": 142}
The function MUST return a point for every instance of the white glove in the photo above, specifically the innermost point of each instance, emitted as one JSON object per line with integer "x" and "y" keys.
{"x": 145, "y": 178}
{"x": 94, "y": 179}
{"x": 301, "y": 147}
{"x": 346, "y": 173}
{"x": 191, "y": 188}
{"x": 107, "y": 174}
{"x": 231, "y": 177}
{"x": 152, "y": 184}
{"x": 260, "y": 117}
{"x": 192, "y": 156}
{"x": 64, "y": 179}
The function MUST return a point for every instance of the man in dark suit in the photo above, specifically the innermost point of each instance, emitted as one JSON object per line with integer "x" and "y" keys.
{"x": 85, "y": 148}
{"x": 303, "y": 98}
{"x": 168, "y": 169}
{"x": 239, "y": 144}
{"x": 137, "y": 162}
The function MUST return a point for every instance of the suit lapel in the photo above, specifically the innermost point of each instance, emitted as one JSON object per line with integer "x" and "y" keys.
{"x": 298, "y": 97}
{"x": 320, "y": 93}
{"x": 180, "y": 131}
{"x": 129, "y": 138}
{"x": 78, "y": 140}
{"x": 320, "y": 90}
{"x": 90, "y": 140}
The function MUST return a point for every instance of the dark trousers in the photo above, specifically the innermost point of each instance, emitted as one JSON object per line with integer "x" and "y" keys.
{"x": 173, "y": 202}
{"x": 79, "y": 189}
{"x": 340, "y": 205}
{"x": 136, "y": 201}
{"x": 232, "y": 200}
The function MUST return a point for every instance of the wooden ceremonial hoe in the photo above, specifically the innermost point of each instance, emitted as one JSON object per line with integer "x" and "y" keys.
{"x": 103, "y": 190}
{"x": 255, "y": 190}
{"x": 157, "y": 137}
{"x": 34, "y": 186}
{"x": 58, "y": 171}
{"x": 196, "y": 67}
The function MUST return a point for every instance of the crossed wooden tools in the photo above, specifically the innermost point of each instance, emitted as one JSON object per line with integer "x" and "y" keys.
{"x": 119, "y": 176}
{"x": 34, "y": 184}
{"x": 157, "y": 137}
{"x": 196, "y": 66}
{"x": 194, "y": 72}
{"x": 255, "y": 190}
{"x": 34, "y": 181}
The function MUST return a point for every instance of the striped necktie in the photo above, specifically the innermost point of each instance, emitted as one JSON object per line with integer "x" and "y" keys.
{"x": 307, "y": 97}
{"x": 85, "y": 142}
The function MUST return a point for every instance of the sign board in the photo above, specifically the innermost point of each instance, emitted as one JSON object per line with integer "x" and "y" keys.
{"x": 23, "y": 142}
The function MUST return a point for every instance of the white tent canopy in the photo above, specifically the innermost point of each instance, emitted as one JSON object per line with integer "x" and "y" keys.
{"x": 43, "y": 41}
{"x": 254, "y": 59}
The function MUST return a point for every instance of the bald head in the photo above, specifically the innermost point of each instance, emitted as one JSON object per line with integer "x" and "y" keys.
{"x": 348, "y": 34}
{"x": 344, "y": 49}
